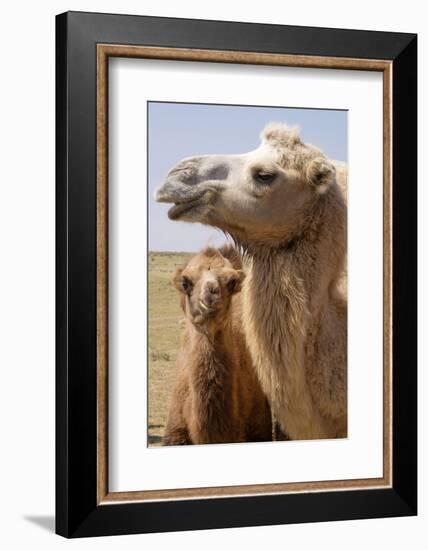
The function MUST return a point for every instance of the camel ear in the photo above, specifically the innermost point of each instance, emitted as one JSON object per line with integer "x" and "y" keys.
{"x": 177, "y": 279}
{"x": 321, "y": 174}
{"x": 232, "y": 254}
{"x": 234, "y": 281}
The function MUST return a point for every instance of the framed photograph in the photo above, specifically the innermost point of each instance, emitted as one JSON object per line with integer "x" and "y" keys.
{"x": 236, "y": 274}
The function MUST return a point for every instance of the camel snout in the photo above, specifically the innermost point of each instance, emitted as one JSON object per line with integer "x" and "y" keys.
{"x": 181, "y": 193}
{"x": 211, "y": 294}
{"x": 172, "y": 191}
{"x": 192, "y": 178}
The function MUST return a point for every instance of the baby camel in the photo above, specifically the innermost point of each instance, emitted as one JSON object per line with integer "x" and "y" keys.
{"x": 217, "y": 397}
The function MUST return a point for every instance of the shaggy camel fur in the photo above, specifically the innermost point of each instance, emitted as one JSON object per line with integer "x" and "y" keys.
{"x": 217, "y": 397}
{"x": 282, "y": 203}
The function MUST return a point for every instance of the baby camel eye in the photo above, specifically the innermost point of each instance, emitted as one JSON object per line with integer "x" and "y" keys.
{"x": 264, "y": 177}
{"x": 231, "y": 284}
{"x": 186, "y": 284}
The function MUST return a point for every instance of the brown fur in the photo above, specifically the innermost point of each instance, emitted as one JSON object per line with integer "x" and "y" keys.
{"x": 217, "y": 397}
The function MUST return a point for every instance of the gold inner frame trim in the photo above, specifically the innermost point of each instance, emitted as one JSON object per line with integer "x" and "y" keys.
{"x": 104, "y": 51}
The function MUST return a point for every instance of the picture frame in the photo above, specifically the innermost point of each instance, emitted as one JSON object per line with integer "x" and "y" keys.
{"x": 84, "y": 44}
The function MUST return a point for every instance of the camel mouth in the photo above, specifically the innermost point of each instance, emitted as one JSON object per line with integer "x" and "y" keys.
{"x": 184, "y": 200}
{"x": 205, "y": 313}
{"x": 182, "y": 208}
{"x": 205, "y": 308}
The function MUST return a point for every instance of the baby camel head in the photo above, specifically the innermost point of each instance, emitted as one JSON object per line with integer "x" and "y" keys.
{"x": 207, "y": 283}
{"x": 264, "y": 195}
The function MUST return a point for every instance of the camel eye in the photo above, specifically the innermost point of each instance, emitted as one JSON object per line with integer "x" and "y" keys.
{"x": 264, "y": 177}
{"x": 186, "y": 284}
{"x": 231, "y": 284}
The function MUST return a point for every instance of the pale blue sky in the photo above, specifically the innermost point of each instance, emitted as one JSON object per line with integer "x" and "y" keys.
{"x": 178, "y": 130}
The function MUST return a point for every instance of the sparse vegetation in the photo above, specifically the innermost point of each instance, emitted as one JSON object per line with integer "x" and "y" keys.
{"x": 164, "y": 337}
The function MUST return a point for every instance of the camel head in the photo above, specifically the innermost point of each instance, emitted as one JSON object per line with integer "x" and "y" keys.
{"x": 263, "y": 195}
{"x": 207, "y": 283}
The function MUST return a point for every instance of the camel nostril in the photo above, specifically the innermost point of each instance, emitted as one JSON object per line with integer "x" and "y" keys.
{"x": 213, "y": 288}
{"x": 209, "y": 299}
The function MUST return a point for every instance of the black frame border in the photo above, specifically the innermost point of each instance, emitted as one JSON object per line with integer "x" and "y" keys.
{"x": 77, "y": 512}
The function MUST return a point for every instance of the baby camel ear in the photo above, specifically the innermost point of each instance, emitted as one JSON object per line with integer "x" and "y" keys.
{"x": 234, "y": 281}
{"x": 231, "y": 253}
{"x": 177, "y": 279}
{"x": 321, "y": 173}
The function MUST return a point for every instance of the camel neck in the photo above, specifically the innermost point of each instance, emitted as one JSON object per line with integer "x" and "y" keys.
{"x": 282, "y": 276}
{"x": 211, "y": 367}
{"x": 308, "y": 265}
{"x": 209, "y": 342}
{"x": 288, "y": 295}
